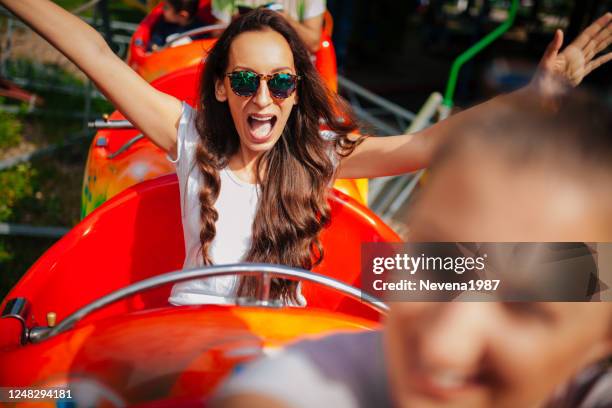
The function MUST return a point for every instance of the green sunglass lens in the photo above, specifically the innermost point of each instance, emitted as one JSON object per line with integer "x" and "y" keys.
{"x": 244, "y": 83}
{"x": 282, "y": 85}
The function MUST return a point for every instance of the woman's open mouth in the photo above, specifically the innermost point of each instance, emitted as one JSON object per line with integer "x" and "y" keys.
{"x": 260, "y": 126}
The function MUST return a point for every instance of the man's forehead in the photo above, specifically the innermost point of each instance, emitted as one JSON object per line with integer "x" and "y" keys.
{"x": 498, "y": 204}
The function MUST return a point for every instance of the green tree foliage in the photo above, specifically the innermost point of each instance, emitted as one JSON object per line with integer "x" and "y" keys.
{"x": 16, "y": 182}
{"x": 10, "y": 130}
{"x": 15, "y": 185}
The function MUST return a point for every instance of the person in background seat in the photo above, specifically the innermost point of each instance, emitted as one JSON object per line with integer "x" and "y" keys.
{"x": 305, "y": 16}
{"x": 179, "y": 16}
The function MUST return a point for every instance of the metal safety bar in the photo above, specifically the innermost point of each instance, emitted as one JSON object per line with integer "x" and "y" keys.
{"x": 110, "y": 124}
{"x": 20, "y": 310}
{"x": 276, "y": 271}
{"x": 196, "y": 31}
{"x": 46, "y": 86}
{"x": 32, "y": 230}
{"x": 126, "y": 146}
{"x": 379, "y": 114}
{"x": 470, "y": 53}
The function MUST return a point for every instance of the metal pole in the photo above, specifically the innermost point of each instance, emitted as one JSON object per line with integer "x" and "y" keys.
{"x": 6, "y": 47}
{"x": 102, "y": 9}
{"x": 32, "y": 230}
{"x": 473, "y": 50}
{"x": 372, "y": 97}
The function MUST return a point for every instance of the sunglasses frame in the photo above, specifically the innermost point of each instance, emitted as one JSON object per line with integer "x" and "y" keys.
{"x": 267, "y": 78}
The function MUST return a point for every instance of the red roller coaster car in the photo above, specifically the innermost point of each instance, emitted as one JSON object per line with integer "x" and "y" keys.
{"x": 119, "y": 341}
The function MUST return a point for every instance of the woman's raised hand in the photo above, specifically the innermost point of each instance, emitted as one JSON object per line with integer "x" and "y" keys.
{"x": 577, "y": 60}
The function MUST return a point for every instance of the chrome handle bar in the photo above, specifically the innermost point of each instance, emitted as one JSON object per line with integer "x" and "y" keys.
{"x": 213, "y": 271}
{"x": 199, "y": 30}
{"x": 110, "y": 124}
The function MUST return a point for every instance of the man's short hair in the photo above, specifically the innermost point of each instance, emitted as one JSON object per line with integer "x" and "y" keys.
{"x": 576, "y": 135}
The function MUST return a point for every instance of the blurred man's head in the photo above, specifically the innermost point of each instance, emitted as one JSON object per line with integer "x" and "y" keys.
{"x": 523, "y": 175}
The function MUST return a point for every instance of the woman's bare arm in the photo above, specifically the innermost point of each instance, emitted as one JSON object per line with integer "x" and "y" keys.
{"x": 155, "y": 113}
{"x": 394, "y": 155}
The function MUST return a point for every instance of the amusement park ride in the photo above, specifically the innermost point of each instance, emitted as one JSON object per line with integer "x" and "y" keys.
{"x": 92, "y": 313}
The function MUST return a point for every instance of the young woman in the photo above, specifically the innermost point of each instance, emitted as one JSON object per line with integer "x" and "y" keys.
{"x": 252, "y": 166}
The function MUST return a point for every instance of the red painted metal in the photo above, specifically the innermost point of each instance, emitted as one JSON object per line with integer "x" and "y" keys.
{"x": 172, "y": 353}
{"x": 138, "y": 234}
{"x": 141, "y": 350}
{"x": 140, "y": 343}
{"x": 107, "y": 175}
{"x": 152, "y": 65}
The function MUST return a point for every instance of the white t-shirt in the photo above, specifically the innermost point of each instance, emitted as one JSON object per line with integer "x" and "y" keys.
{"x": 344, "y": 370}
{"x": 236, "y": 207}
{"x": 299, "y": 10}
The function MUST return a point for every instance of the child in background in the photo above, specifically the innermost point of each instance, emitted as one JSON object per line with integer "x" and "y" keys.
{"x": 305, "y": 16}
{"x": 179, "y": 16}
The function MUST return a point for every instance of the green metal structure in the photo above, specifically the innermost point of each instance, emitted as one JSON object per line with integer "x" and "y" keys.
{"x": 475, "y": 49}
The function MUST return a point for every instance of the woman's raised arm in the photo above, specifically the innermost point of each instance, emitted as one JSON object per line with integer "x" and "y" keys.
{"x": 155, "y": 113}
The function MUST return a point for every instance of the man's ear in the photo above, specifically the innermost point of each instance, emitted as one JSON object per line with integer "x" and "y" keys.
{"x": 220, "y": 92}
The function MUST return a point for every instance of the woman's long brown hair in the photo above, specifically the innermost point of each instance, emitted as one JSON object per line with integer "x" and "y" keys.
{"x": 298, "y": 170}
